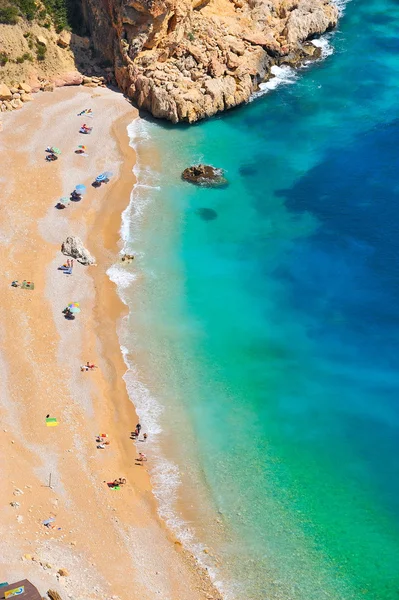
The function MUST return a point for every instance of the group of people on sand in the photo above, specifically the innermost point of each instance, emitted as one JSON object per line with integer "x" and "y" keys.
{"x": 88, "y": 367}
{"x": 118, "y": 482}
{"x": 67, "y": 267}
{"x": 136, "y": 434}
{"x": 127, "y": 257}
{"x": 102, "y": 441}
{"x": 85, "y": 129}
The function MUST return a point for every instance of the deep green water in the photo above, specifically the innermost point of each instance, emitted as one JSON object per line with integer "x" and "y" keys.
{"x": 272, "y": 330}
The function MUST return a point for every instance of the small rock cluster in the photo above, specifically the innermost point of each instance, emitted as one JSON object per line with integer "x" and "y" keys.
{"x": 205, "y": 175}
{"x": 14, "y": 97}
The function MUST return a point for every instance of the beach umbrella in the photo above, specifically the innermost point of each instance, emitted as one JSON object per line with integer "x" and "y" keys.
{"x": 76, "y": 304}
{"x": 80, "y": 189}
{"x": 82, "y": 147}
{"x": 74, "y": 309}
{"x": 101, "y": 177}
{"x": 56, "y": 150}
{"x": 64, "y": 200}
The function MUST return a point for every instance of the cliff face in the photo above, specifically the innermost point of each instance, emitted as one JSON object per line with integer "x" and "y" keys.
{"x": 184, "y": 60}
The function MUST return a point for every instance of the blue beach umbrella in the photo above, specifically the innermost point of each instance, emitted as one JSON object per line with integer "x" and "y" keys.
{"x": 101, "y": 177}
{"x": 80, "y": 189}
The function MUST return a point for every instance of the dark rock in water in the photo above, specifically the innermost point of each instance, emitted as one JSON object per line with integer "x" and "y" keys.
{"x": 248, "y": 170}
{"x": 207, "y": 214}
{"x": 205, "y": 175}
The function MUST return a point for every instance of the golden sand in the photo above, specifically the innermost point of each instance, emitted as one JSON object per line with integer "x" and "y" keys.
{"x": 112, "y": 543}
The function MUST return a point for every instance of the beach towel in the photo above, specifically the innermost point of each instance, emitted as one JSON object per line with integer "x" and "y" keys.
{"x": 112, "y": 486}
{"x": 51, "y": 422}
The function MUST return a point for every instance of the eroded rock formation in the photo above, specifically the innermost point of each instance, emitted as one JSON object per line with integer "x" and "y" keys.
{"x": 73, "y": 246}
{"x": 184, "y": 60}
{"x": 205, "y": 175}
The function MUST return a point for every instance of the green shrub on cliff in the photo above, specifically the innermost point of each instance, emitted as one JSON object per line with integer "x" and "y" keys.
{"x": 3, "y": 59}
{"x": 63, "y": 13}
{"x": 40, "y": 51}
{"x": 28, "y": 8}
{"x": 8, "y": 14}
{"x": 59, "y": 11}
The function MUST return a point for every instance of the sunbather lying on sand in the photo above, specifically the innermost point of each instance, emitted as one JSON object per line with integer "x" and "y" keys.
{"x": 88, "y": 367}
{"x": 120, "y": 481}
{"x": 102, "y": 440}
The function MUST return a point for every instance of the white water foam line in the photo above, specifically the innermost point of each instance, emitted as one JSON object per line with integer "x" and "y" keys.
{"x": 165, "y": 475}
{"x": 286, "y": 75}
{"x": 341, "y": 5}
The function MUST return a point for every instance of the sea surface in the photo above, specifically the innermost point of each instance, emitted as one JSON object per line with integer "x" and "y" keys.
{"x": 263, "y": 334}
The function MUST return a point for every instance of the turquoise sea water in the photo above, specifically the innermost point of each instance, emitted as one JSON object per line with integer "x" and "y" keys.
{"x": 263, "y": 337}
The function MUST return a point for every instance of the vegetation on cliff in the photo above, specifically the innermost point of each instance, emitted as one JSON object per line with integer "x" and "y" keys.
{"x": 61, "y": 13}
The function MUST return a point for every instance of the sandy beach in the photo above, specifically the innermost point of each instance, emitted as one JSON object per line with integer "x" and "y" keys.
{"x": 111, "y": 542}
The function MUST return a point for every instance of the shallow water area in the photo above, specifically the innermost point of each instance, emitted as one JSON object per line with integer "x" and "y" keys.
{"x": 261, "y": 341}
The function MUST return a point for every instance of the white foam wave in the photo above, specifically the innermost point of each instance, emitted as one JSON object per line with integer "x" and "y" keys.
{"x": 165, "y": 475}
{"x": 138, "y": 131}
{"x": 148, "y": 408}
{"x": 121, "y": 276}
{"x": 324, "y": 45}
{"x": 341, "y": 5}
{"x": 284, "y": 75}
{"x": 287, "y": 75}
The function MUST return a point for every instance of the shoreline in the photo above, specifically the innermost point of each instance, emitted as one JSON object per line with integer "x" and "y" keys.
{"x": 84, "y": 403}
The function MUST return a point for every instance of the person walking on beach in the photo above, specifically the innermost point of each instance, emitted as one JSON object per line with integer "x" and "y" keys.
{"x": 145, "y": 437}
{"x": 138, "y": 427}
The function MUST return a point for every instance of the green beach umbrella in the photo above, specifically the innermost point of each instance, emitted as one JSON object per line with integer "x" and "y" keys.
{"x": 74, "y": 309}
{"x": 56, "y": 150}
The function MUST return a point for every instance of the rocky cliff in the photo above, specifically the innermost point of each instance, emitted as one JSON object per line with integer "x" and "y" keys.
{"x": 181, "y": 60}
{"x": 184, "y": 60}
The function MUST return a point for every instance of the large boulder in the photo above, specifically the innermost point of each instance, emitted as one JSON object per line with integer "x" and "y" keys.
{"x": 204, "y": 175}
{"x": 64, "y": 39}
{"x": 70, "y": 78}
{"x": 25, "y": 88}
{"x": 73, "y": 246}
{"x": 5, "y": 92}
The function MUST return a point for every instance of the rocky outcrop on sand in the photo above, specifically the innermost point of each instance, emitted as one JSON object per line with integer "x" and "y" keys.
{"x": 204, "y": 175}
{"x": 73, "y": 246}
{"x": 185, "y": 60}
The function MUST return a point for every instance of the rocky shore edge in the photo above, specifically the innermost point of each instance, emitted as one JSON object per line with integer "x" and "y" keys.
{"x": 186, "y": 60}
{"x": 14, "y": 98}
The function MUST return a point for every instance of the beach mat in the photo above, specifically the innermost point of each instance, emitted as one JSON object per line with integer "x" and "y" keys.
{"x": 51, "y": 422}
{"x": 112, "y": 486}
{"x": 27, "y": 285}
